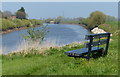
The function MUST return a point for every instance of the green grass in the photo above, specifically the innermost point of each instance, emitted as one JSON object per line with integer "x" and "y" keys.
{"x": 17, "y": 23}
{"x": 110, "y": 26}
{"x": 56, "y": 63}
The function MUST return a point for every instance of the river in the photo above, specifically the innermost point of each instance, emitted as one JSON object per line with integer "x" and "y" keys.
{"x": 60, "y": 34}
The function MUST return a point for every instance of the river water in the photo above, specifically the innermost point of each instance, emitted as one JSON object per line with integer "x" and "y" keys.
{"x": 60, "y": 34}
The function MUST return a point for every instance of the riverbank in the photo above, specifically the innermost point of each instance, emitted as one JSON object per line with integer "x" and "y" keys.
{"x": 21, "y": 28}
{"x": 10, "y": 25}
{"x": 83, "y": 25}
{"x": 12, "y": 30}
{"x": 54, "y": 60}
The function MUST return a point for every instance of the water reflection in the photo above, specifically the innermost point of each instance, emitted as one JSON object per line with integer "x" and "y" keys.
{"x": 60, "y": 34}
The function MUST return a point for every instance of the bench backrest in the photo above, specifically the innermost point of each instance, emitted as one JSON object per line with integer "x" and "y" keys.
{"x": 103, "y": 39}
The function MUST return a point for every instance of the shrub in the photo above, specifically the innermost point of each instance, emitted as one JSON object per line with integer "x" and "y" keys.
{"x": 35, "y": 22}
{"x": 84, "y": 21}
{"x": 35, "y": 35}
{"x": 7, "y": 24}
{"x": 18, "y": 23}
{"x": 26, "y": 22}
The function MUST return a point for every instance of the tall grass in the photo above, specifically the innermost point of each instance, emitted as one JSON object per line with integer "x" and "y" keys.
{"x": 17, "y": 23}
{"x": 39, "y": 48}
{"x": 110, "y": 27}
{"x": 54, "y": 62}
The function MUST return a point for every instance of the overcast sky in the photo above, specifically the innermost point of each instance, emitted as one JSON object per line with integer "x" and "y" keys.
{"x": 39, "y": 10}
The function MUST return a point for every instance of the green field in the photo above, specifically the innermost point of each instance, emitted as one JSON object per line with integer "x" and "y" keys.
{"x": 56, "y": 63}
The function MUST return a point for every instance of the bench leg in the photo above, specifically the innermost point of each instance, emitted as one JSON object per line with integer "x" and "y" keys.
{"x": 104, "y": 53}
{"x": 88, "y": 58}
{"x": 100, "y": 53}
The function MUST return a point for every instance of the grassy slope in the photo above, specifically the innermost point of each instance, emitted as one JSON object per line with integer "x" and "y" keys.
{"x": 56, "y": 63}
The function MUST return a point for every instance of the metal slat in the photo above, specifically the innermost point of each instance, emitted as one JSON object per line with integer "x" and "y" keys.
{"x": 95, "y": 43}
{"x": 100, "y": 35}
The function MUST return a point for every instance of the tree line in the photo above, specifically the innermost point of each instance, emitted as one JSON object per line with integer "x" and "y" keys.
{"x": 20, "y": 14}
{"x": 17, "y": 20}
{"x": 94, "y": 20}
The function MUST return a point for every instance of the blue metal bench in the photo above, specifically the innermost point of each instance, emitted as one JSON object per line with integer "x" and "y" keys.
{"x": 90, "y": 47}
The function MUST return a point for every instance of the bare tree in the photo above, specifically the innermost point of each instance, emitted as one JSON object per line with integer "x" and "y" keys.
{"x": 6, "y": 14}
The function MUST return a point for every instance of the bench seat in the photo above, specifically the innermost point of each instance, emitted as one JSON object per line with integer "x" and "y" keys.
{"x": 82, "y": 51}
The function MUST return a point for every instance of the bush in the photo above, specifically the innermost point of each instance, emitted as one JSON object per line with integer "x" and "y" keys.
{"x": 84, "y": 21}
{"x": 35, "y": 35}
{"x": 18, "y": 23}
{"x": 35, "y": 22}
{"x": 7, "y": 24}
{"x": 26, "y": 22}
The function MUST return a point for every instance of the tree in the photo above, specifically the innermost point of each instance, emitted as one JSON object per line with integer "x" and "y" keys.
{"x": 6, "y": 14}
{"x": 96, "y": 18}
{"x": 21, "y": 14}
{"x": 22, "y": 9}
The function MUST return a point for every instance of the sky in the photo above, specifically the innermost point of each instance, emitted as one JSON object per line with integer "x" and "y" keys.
{"x": 37, "y": 10}
{"x": 59, "y": 0}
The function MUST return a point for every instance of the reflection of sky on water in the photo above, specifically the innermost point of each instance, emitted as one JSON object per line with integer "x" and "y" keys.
{"x": 61, "y": 34}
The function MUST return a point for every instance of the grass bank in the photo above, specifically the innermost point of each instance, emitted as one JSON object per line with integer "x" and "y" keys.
{"x": 54, "y": 62}
{"x": 9, "y": 25}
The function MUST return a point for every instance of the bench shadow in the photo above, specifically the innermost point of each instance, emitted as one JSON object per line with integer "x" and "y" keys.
{"x": 95, "y": 55}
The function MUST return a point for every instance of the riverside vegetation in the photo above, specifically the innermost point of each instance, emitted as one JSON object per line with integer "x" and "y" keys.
{"x": 54, "y": 62}
{"x": 9, "y": 21}
{"x": 9, "y": 24}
